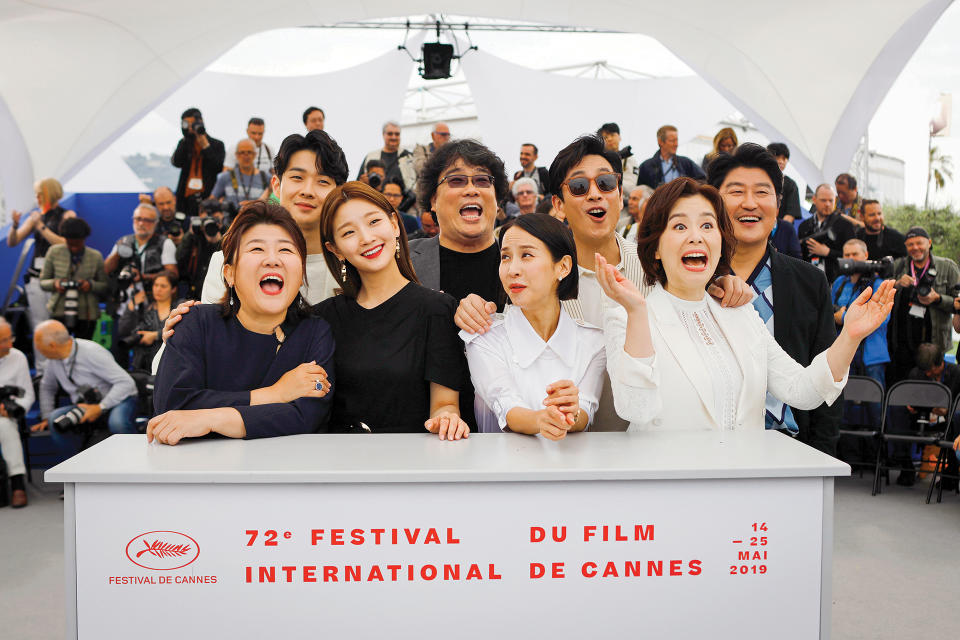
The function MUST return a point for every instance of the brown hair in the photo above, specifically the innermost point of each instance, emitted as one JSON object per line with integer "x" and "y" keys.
{"x": 251, "y": 215}
{"x": 655, "y": 218}
{"x": 337, "y": 198}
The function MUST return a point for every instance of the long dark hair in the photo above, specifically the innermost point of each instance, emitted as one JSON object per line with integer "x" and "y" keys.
{"x": 337, "y": 198}
{"x": 251, "y": 215}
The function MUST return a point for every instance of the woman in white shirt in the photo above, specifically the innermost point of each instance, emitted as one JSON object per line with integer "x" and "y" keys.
{"x": 677, "y": 359}
{"x": 536, "y": 370}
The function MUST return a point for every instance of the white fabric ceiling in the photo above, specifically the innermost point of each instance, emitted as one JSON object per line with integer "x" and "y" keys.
{"x": 78, "y": 73}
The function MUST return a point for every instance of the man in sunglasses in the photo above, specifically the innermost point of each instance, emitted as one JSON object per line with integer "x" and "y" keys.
{"x": 585, "y": 182}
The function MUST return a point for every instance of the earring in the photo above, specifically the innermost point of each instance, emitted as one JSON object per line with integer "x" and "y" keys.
{"x": 398, "y": 247}
{"x": 231, "y": 296}
{"x": 343, "y": 270}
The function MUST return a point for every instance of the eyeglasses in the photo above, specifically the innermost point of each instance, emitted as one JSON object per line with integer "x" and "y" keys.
{"x": 458, "y": 181}
{"x": 525, "y": 193}
{"x": 606, "y": 182}
{"x": 245, "y": 153}
{"x": 442, "y": 134}
{"x": 144, "y": 220}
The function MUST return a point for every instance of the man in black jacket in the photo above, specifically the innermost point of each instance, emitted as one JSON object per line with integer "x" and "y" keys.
{"x": 881, "y": 240}
{"x": 824, "y": 250}
{"x": 790, "y": 202}
{"x": 199, "y": 158}
{"x": 792, "y": 297}
{"x": 665, "y": 165}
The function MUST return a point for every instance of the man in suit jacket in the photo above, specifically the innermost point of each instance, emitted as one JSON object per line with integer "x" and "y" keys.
{"x": 792, "y": 297}
{"x": 665, "y": 165}
{"x": 826, "y": 251}
{"x": 74, "y": 262}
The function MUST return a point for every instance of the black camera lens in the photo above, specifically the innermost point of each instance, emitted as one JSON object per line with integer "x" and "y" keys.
{"x": 211, "y": 227}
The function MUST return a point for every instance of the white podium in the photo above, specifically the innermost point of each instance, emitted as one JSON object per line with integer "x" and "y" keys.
{"x": 616, "y": 535}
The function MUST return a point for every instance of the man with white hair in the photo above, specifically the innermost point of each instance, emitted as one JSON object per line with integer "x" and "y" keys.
{"x": 244, "y": 183}
{"x": 15, "y": 372}
{"x": 525, "y": 195}
{"x": 397, "y": 162}
{"x": 636, "y": 202}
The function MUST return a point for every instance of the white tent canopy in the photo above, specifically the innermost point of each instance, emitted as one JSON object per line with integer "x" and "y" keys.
{"x": 77, "y": 74}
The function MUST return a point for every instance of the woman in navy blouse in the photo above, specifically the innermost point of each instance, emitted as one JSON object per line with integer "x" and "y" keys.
{"x": 254, "y": 365}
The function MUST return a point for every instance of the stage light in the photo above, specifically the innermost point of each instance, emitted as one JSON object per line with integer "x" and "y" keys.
{"x": 436, "y": 60}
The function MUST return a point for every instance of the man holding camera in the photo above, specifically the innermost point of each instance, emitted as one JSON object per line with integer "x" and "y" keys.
{"x": 173, "y": 224}
{"x": 397, "y": 162}
{"x": 823, "y": 235}
{"x": 882, "y": 241}
{"x": 243, "y": 183}
{"x": 16, "y": 397}
{"x": 96, "y": 384}
{"x": 199, "y": 158}
{"x": 144, "y": 253}
{"x": 203, "y": 240}
{"x": 924, "y": 303}
{"x": 74, "y": 273}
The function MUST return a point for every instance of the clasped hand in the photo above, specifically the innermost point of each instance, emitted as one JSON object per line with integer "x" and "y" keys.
{"x": 562, "y": 409}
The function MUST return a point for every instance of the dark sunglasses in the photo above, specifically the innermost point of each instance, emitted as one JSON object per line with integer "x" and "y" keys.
{"x": 606, "y": 182}
{"x": 458, "y": 181}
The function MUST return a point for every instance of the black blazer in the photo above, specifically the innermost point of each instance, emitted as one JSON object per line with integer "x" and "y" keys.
{"x": 843, "y": 230}
{"x": 211, "y": 165}
{"x": 790, "y": 202}
{"x": 803, "y": 326}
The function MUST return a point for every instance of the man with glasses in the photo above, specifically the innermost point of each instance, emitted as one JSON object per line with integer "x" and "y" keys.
{"x": 397, "y": 162}
{"x": 263, "y": 157}
{"x": 525, "y": 195}
{"x": 244, "y": 183}
{"x": 792, "y": 296}
{"x": 146, "y": 252}
{"x": 440, "y": 135}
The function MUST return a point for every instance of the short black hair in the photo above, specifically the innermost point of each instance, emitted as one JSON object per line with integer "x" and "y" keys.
{"x": 330, "y": 159}
{"x": 559, "y": 240}
{"x": 750, "y": 156}
{"x": 257, "y": 122}
{"x": 311, "y": 110}
{"x": 929, "y": 355}
{"x": 471, "y": 152}
{"x": 779, "y": 150}
{"x": 74, "y": 228}
{"x": 373, "y": 163}
{"x": 866, "y": 201}
{"x": 397, "y": 180}
{"x": 536, "y": 151}
{"x": 571, "y": 155}
{"x": 608, "y": 127}
{"x": 847, "y": 179}
{"x": 192, "y": 112}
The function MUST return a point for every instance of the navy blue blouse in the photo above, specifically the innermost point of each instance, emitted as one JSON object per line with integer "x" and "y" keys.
{"x": 213, "y": 362}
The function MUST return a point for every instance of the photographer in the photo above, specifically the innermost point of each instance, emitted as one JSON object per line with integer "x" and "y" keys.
{"x": 856, "y": 275}
{"x": 376, "y": 175}
{"x": 170, "y": 218}
{"x": 823, "y": 235}
{"x": 74, "y": 272}
{"x": 98, "y": 387}
{"x": 203, "y": 240}
{"x": 199, "y": 158}
{"x": 16, "y": 397}
{"x": 924, "y": 303}
{"x": 244, "y": 183}
{"x": 140, "y": 327}
{"x": 142, "y": 254}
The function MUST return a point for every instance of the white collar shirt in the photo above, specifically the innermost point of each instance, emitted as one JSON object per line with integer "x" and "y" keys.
{"x": 511, "y": 365}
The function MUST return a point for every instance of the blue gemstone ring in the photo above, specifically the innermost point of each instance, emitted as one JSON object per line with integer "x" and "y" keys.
{"x": 319, "y": 386}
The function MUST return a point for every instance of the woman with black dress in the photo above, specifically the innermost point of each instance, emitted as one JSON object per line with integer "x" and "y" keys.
{"x": 141, "y": 325}
{"x": 254, "y": 365}
{"x": 399, "y": 362}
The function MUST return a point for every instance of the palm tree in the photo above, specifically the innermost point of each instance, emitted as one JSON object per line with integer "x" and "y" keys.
{"x": 939, "y": 170}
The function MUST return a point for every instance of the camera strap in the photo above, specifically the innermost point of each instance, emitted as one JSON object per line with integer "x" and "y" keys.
{"x": 73, "y": 362}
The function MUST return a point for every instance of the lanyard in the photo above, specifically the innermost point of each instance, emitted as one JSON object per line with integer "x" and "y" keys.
{"x": 913, "y": 270}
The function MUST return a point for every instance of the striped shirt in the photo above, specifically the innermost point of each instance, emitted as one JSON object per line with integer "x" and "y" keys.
{"x": 590, "y": 300}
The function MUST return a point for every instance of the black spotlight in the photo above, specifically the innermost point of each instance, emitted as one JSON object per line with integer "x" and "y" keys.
{"x": 436, "y": 60}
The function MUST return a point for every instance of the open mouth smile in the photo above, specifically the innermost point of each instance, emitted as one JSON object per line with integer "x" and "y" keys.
{"x": 271, "y": 284}
{"x": 370, "y": 254}
{"x": 471, "y": 212}
{"x": 694, "y": 260}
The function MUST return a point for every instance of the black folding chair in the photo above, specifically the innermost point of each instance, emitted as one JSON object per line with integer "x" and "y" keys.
{"x": 861, "y": 391}
{"x": 946, "y": 450}
{"x": 915, "y": 393}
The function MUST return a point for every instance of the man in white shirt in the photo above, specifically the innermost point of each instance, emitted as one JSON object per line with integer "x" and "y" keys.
{"x": 78, "y": 366}
{"x": 15, "y": 372}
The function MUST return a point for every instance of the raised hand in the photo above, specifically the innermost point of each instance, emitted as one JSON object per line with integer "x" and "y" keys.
{"x": 869, "y": 310}
{"x": 617, "y": 287}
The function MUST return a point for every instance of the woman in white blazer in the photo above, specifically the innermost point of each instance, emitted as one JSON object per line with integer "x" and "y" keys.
{"x": 678, "y": 360}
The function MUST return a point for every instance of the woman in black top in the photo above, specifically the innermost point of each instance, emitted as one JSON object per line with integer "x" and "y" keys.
{"x": 140, "y": 327}
{"x": 399, "y": 362}
{"x": 254, "y": 365}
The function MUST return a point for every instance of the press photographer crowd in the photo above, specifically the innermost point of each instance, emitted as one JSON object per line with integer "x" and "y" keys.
{"x": 266, "y": 294}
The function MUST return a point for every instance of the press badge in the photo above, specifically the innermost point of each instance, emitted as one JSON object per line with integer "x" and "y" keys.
{"x": 195, "y": 184}
{"x": 918, "y": 311}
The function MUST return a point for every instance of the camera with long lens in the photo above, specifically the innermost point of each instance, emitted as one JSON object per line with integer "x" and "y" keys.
{"x": 8, "y": 399}
{"x": 374, "y": 180}
{"x": 70, "y": 420}
{"x": 882, "y": 268}
{"x": 71, "y": 302}
{"x": 823, "y": 236}
{"x": 925, "y": 284}
{"x": 127, "y": 273}
{"x": 196, "y": 128}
